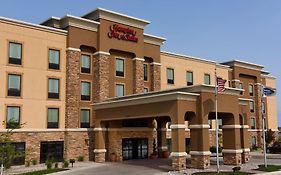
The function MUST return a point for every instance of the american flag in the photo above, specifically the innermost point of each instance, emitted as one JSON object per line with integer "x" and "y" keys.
{"x": 220, "y": 84}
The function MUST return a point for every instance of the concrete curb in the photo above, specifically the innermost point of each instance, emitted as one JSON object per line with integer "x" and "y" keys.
{"x": 271, "y": 173}
{"x": 73, "y": 170}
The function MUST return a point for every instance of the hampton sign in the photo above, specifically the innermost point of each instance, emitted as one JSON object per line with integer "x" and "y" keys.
{"x": 122, "y": 33}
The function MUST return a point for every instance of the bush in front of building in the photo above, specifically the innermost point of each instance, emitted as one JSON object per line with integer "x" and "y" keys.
{"x": 27, "y": 163}
{"x": 65, "y": 164}
{"x": 34, "y": 162}
{"x": 49, "y": 163}
{"x": 80, "y": 158}
{"x": 213, "y": 149}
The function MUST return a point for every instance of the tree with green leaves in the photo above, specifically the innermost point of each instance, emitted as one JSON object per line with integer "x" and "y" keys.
{"x": 269, "y": 137}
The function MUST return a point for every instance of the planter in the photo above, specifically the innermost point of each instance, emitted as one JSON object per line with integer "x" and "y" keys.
{"x": 165, "y": 154}
{"x": 113, "y": 157}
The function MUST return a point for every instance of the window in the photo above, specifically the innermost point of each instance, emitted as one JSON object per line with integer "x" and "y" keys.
{"x": 251, "y": 106}
{"x": 85, "y": 64}
{"x": 241, "y": 87}
{"x": 51, "y": 149}
{"x": 119, "y": 90}
{"x": 85, "y": 91}
{"x": 189, "y": 78}
{"x": 15, "y": 53}
{"x": 252, "y": 122}
{"x": 170, "y": 76}
{"x": 207, "y": 79}
{"x": 54, "y": 59}
{"x": 145, "y": 90}
{"x": 53, "y": 88}
{"x": 85, "y": 118}
{"x": 119, "y": 67}
{"x": 53, "y": 118}
{"x": 254, "y": 142}
{"x": 220, "y": 123}
{"x": 14, "y": 85}
{"x": 13, "y": 117}
{"x": 145, "y": 72}
{"x": 251, "y": 90}
{"x": 263, "y": 107}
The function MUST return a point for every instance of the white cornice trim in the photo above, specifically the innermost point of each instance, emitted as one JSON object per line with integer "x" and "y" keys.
{"x": 246, "y": 149}
{"x": 202, "y": 126}
{"x": 101, "y": 53}
{"x": 83, "y": 23}
{"x": 73, "y": 49}
{"x": 233, "y": 151}
{"x": 33, "y": 26}
{"x": 138, "y": 59}
{"x": 231, "y": 126}
{"x": 235, "y": 80}
{"x": 116, "y": 17}
{"x": 155, "y": 40}
{"x": 245, "y": 126}
{"x": 99, "y": 150}
{"x": 49, "y": 130}
{"x": 155, "y": 63}
{"x": 268, "y": 76}
{"x": 178, "y": 154}
{"x": 177, "y": 126}
{"x": 163, "y": 148}
{"x": 200, "y": 153}
{"x": 100, "y": 129}
{"x": 131, "y": 129}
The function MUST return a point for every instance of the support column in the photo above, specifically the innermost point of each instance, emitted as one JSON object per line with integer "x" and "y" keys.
{"x": 258, "y": 112}
{"x": 99, "y": 150}
{"x": 200, "y": 149}
{"x": 178, "y": 154}
{"x": 245, "y": 144}
{"x": 161, "y": 139}
{"x": 101, "y": 76}
{"x": 155, "y": 76}
{"x": 138, "y": 74}
{"x": 232, "y": 152}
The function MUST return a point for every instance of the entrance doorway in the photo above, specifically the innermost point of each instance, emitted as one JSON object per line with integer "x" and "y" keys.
{"x": 134, "y": 148}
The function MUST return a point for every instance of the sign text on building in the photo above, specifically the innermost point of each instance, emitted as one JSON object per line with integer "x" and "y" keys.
{"x": 122, "y": 33}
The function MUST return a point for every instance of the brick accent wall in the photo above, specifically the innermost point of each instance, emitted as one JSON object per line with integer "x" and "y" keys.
{"x": 155, "y": 77}
{"x": 138, "y": 74}
{"x": 101, "y": 76}
{"x": 258, "y": 104}
{"x": 232, "y": 158}
{"x": 200, "y": 161}
{"x": 179, "y": 163}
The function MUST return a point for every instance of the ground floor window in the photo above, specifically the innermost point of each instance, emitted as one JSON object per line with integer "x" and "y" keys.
{"x": 254, "y": 142}
{"x": 134, "y": 148}
{"x": 19, "y": 148}
{"x": 51, "y": 150}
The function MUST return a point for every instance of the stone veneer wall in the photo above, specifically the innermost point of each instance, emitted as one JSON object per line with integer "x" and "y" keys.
{"x": 115, "y": 141}
{"x": 138, "y": 74}
{"x": 155, "y": 77}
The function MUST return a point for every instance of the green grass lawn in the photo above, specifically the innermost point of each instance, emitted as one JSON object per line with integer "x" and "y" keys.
{"x": 47, "y": 171}
{"x": 221, "y": 173}
{"x": 269, "y": 168}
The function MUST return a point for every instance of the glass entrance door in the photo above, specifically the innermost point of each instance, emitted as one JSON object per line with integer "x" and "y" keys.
{"x": 134, "y": 148}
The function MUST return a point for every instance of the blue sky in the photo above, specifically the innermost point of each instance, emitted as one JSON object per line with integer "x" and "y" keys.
{"x": 218, "y": 30}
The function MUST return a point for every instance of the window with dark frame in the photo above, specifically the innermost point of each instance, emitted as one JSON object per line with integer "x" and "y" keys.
{"x": 207, "y": 79}
{"x": 251, "y": 106}
{"x": 54, "y": 59}
{"x": 251, "y": 90}
{"x": 85, "y": 118}
{"x": 13, "y": 117}
{"x": 119, "y": 66}
{"x": 53, "y": 88}
{"x": 14, "y": 85}
{"x": 85, "y": 91}
{"x": 15, "y": 53}
{"x": 119, "y": 91}
{"x": 170, "y": 76}
{"x": 53, "y": 118}
{"x": 189, "y": 78}
{"x": 85, "y": 64}
{"x": 51, "y": 150}
{"x": 241, "y": 87}
{"x": 145, "y": 72}
{"x": 252, "y": 122}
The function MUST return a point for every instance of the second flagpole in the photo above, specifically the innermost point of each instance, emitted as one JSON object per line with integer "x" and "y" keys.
{"x": 217, "y": 134}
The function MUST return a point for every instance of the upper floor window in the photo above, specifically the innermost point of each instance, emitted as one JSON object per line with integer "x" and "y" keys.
{"x": 119, "y": 66}
{"x": 251, "y": 90}
{"x": 189, "y": 78}
{"x": 53, "y": 88}
{"x": 13, "y": 117}
{"x": 14, "y": 85}
{"x": 145, "y": 72}
{"x": 252, "y": 123}
{"x": 241, "y": 87}
{"x": 85, "y": 91}
{"x": 85, "y": 118}
{"x": 15, "y": 53}
{"x": 54, "y": 59}
{"x": 207, "y": 79}
{"x": 85, "y": 64}
{"x": 53, "y": 118}
{"x": 251, "y": 106}
{"x": 119, "y": 90}
{"x": 170, "y": 76}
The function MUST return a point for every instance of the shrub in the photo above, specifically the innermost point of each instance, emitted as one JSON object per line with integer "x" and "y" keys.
{"x": 27, "y": 163}
{"x": 34, "y": 162}
{"x": 80, "y": 158}
{"x": 49, "y": 163}
{"x": 65, "y": 164}
{"x": 213, "y": 149}
{"x": 56, "y": 165}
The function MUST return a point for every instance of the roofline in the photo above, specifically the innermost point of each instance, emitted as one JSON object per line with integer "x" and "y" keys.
{"x": 79, "y": 18}
{"x": 244, "y": 62}
{"x": 52, "y": 17}
{"x": 268, "y": 76}
{"x": 116, "y": 13}
{"x": 33, "y": 25}
{"x": 153, "y": 36}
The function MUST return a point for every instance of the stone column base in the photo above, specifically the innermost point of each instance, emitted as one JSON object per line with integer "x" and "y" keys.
{"x": 200, "y": 161}
{"x": 232, "y": 158}
{"x": 99, "y": 155}
{"x": 245, "y": 156}
{"x": 178, "y": 160}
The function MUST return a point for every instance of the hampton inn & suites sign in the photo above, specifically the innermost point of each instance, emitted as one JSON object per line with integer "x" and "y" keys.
{"x": 122, "y": 33}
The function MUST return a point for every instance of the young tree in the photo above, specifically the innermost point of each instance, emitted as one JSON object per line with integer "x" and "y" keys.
{"x": 269, "y": 137}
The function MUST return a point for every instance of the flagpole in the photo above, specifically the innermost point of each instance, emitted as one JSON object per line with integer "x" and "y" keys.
{"x": 217, "y": 134}
{"x": 263, "y": 129}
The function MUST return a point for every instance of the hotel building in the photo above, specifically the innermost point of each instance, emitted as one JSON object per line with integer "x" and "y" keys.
{"x": 96, "y": 85}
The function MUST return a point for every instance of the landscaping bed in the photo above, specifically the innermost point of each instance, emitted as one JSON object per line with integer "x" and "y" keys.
{"x": 46, "y": 171}
{"x": 269, "y": 168}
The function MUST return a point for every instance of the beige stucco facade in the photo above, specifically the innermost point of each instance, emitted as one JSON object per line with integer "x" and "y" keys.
{"x": 34, "y": 72}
